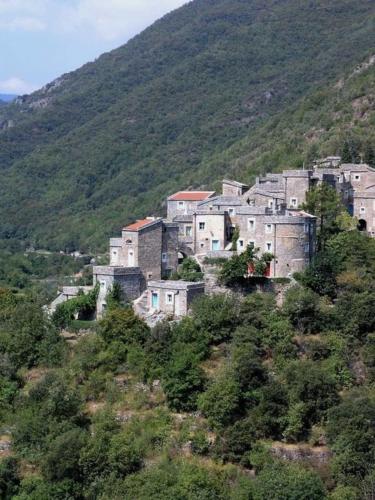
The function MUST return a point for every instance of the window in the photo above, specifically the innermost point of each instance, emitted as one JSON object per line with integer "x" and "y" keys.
{"x": 268, "y": 246}
{"x": 181, "y": 205}
{"x": 241, "y": 243}
{"x": 357, "y": 177}
{"x": 307, "y": 247}
{"x": 169, "y": 298}
{"x": 306, "y": 228}
{"x": 202, "y": 245}
{"x": 270, "y": 203}
{"x": 251, "y": 224}
{"x": 149, "y": 276}
{"x": 268, "y": 228}
{"x": 362, "y": 210}
{"x": 188, "y": 231}
{"x": 164, "y": 257}
{"x": 202, "y": 226}
{"x": 103, "y": 285}
{"x": 293, "y": 202}
{"x": 252, "y": 244}
{"x": 231, "y": 211}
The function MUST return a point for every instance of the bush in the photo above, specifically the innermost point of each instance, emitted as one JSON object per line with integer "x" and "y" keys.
{"x": 284, "y": 482}
{"x": 220, "y": 403}
{"x": 302, "y": 307}
{"x": 183, "y": 380}
{"x": 123, "y": 325}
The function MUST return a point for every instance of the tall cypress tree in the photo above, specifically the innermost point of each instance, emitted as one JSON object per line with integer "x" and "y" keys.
{"x": 369, "y": 155}
{"x": 346, "y": 156}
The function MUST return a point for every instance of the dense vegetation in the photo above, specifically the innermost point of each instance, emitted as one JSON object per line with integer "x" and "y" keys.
{"x": 209, "y": 90}
{"x": 186, "y": 410}
{"x": 23, "y": 270}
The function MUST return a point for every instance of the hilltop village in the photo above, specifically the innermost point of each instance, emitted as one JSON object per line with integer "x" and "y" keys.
{"x": 202, "y": 225}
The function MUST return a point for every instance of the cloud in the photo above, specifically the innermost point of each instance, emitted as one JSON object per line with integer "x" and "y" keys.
{"x": 15, "y": 85}
{"x": 23, "y": 24}
{"x": 109, "y": 20}
{"x": 115, "y": 19}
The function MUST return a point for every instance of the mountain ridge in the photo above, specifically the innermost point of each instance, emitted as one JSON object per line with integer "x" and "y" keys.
{"x": 105, "y": 144}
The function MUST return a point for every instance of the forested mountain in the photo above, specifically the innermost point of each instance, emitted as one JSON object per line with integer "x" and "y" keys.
{"x": 216, "y": 87}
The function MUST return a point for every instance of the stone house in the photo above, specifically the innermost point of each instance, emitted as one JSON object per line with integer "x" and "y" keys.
{"x": 173, "y": 298}
{"x": 185, "y": 202}
{"x": 267, "y": 216}
{"x": 356, "y": 185}
{"x": 147, "y": 249}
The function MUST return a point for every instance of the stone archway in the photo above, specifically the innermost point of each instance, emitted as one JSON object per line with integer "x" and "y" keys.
{"x": 362, "y": 225}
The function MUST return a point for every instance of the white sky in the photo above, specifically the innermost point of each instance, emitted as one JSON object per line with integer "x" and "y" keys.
{"x": 41, "y": 39}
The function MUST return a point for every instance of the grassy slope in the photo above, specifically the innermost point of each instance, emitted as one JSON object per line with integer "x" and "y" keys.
{"x": 109, "y": 141}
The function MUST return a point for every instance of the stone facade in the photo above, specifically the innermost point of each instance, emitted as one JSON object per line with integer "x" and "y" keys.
{"x": 296, "y": 183}
{"x": 212, "y": 231}
{"x": 289, "y": 235}
{"x": 266, "y": 216}
{"x": 185, "y": 202}
{"x": 356, "y": 186}
{"x": 130, "y": 279}
{"x": 234, "y": 188}
{"x": 173, "y": 298}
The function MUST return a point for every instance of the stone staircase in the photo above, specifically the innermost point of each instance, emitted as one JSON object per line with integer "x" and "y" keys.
{"x": 140, "y": 305}
{"x": 210, "y": 276}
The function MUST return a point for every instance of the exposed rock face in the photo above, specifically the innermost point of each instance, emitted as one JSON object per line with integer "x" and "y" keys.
{"x": 6, "y": 124}
{"x": 317, "y": 455}
{"x": 5, "y": 445}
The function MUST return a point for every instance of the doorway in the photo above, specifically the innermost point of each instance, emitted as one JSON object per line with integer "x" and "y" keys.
{"x": 155, "y": 300}
{"x": 215, "y": 245}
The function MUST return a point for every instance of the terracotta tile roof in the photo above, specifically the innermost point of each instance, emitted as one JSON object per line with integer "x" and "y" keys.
{"x": 191, "y": 195}
{"x": 136, "y": 226}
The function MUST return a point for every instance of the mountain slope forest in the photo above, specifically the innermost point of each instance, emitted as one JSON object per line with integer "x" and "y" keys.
{"x": 217, "y": 87}
{"x": 242, "y": 400}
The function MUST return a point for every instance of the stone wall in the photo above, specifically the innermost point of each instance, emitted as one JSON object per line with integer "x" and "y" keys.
{"x": 297, "y": 184}
{"x": 150, "y": 250}
{"x": 364, "y": 209}
{"x": 130, "y": 279}
{"x": 169, "y": 248}
{"x": 215, "y": 229}
{"x": 174, "y": 297}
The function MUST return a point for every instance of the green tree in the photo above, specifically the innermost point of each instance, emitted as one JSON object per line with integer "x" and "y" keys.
{"x": 324, "y": 202}
{"x": 9, "y": 478}
{"x": 369, "y": 154}
{"x": 216, "y": 316}
{"x": 61, "y": 460}
{"x": 302, "y": 307}
{"x": 311, "y": 392}
{"x": 288, "y": 482}
{"x": 220, "y": 402}
{"x": 351, "y": 434}
{"x": 183, "y": 379}
{"x": 123, "y": 325}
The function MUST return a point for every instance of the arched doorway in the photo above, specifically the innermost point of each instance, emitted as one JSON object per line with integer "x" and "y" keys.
{"x": 362, "y": 225}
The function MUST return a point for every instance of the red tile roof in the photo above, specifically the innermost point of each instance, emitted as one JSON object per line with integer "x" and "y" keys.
{"x": 136, "y": 226}
{"x": 191, "y": 195}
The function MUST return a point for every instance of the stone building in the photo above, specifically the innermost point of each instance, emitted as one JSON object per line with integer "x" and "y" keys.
{"x": 185, "y": 202}
{"x": 173, "y": 298}
{"x": 147, "y": 249}
{"x": 267, "y": 216}
{"x": 356, "y": 185}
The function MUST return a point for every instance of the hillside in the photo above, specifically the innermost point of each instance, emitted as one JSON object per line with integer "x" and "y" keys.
{"x": 193, "y": 97}
{"x": 242, "y": 399}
